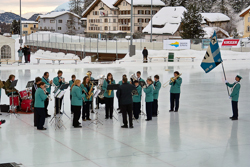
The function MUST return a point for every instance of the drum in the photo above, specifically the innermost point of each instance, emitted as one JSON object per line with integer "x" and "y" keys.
{"x": 26, "y": 105}
{"x": 29, "y": 94}
{"x": 15, "y": 100}
{"x": 23, "y": 94}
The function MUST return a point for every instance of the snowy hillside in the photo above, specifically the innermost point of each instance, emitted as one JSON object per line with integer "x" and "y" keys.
{"x": 62, "y": 7}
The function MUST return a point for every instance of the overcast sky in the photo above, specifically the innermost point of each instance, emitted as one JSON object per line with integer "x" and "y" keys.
{"x": 36, "y": 6}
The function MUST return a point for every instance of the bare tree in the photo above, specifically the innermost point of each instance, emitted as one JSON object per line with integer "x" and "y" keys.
{"x": 71, "y": 25}
{"x": 76, "y": 6}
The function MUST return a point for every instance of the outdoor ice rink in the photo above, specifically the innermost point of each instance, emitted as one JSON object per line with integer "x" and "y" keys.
{"x": 199, "y": 135}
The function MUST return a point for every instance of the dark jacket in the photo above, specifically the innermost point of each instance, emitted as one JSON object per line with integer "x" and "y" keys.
{"x": 34, "y": 87}
{"x": 28, "y": 51}
{"x": 25, "y": 52}
{"x": 124, "y": 93}
{"x": 7, "y": 86}
{"x": 145, "y": 52}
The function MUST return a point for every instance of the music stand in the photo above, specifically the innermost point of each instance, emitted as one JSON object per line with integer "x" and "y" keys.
{"x": 12, "y": 107}
{"x": 30, "y": 84}
{"x": 113, "y": 87}
{"x": 63, "y": 89}
{"x": 95, "y": 82}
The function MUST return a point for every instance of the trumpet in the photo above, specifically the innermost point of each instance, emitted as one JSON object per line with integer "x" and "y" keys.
{"x": 171, "y": 81}
{"x": 133, "y": 77}
{"x": 45, "y": 92}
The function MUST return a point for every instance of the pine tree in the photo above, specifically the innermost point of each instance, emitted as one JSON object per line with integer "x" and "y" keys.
{"x": 191, "y": 23}
{"x": 76, "y": 6}
{"x": 239, "y": 5}
{"x": 15, "y": 27}
{"x": 204, "y": 5}
{"x": 222, "y": 6}
{"x": 71, "y": 23}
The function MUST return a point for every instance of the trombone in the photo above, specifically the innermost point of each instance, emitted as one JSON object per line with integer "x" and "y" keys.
{"x": 171, "y": 81}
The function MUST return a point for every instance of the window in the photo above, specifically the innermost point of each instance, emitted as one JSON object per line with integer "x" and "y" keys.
{"x": 59, "y": 28}
{"x": 140, "y": 20}
{"x": 154, "y": 12}
{"x": 147, "y": 11}
{"x": 106, "y": 28}
{"x": 34, "y": 26}
{"x": 105, "y": 20}
{"x": 100, "y": 28}
{"x": 95, "y": 12}
{"x": 109, "y": 20}
{"x": 52, "y": 21}
{"x": 111, "y": 12}
{"x": 114, "y": 20}
{"x": 25, "y": 32}
{"x": 140, "y": 11}
{"x": 140, "y": 29}
{"x": 109, "y": 28}
{"x": 248, "y": 19}
{"x": 248, "y": 28}
{"x": 25, "y": 25}
{"x": 59, "y": 21}
{"x": 5, "y": 52}
{"x": 123, "y": 3}
{"x": 147, "y": 20}
{"x": 114, "y": 28}
{"x": 114, "y": 12}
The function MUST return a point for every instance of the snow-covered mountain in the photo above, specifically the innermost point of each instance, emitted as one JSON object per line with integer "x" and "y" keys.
{"x": 8, "y": 17}
{"x": 62, "y": 7}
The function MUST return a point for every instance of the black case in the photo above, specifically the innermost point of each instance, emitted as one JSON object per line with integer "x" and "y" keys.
{"x": 4, "y": 108}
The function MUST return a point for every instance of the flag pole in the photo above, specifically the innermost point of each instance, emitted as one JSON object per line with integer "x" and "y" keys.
{"x": 225, "y": 77}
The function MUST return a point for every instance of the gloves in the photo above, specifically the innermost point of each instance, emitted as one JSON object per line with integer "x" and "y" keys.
{"x": 226, "y": 82}
{"x": 230, "y": 97}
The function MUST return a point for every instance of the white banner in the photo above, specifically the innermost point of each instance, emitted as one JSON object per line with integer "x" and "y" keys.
{"x": 176, "y": 44}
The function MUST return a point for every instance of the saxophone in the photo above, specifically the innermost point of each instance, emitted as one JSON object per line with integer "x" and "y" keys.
{"x": 109, "y": 91}
{"x": 90, "y": 94}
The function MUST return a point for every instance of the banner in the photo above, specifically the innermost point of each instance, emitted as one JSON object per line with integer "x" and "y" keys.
{"x": 213, "y": 56}
{"x": 176, "y": 44}
{"x": 230, "y": 42}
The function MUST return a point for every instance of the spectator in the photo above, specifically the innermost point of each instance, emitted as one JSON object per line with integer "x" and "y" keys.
{"x": 25, "y": 54}
{"x": 28, "y": 54}
{"x": 145, "y": 55}
{"x": 20, "y": 54}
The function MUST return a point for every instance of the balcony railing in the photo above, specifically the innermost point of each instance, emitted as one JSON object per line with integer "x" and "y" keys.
{"x": 35, "y": 29}
{"x": 45, "y": 29}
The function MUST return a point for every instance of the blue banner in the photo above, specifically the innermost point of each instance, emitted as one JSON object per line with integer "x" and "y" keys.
{"x": 213, "y": 56}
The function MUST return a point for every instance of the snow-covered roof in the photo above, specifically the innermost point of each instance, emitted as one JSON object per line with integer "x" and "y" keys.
{"x": 244, "y": 11}
{"x": 146, "y": 2}
{"x": 56, "y": 14}
{"x": 210, "y": 30}
{"x": 84, "y": 18}
{"x": 169, "y": 18}
{"x": 214, "y": 17}
{"x": 28, "y": 22}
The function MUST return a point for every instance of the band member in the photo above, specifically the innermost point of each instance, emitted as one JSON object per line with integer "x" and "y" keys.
{"x": 91, "y": 79}
{"x": 76, "y": 102}
{"x": 124, "y": 95}
{"x": 149, "y": 90}
{"x": 109, "y": 96}
{"x": 48, "y": 84}
{"x": 58, "y": 81}
{"x": 38, "y": 80}
{"x": 7, "y": 86}
{"x": 139, "y": 76}
{"x": 175, "y": 91}
{"x": 235, "y": 96}
{"x": 157, "y": 85}
{"x": 40, "y": 97}
{"x": 90, "y": 75}
{"x": 120, "y": 83}
{"x": 87, "y": 100}
{"x": 73, "y": 78}
{"x": 137, "y": 101}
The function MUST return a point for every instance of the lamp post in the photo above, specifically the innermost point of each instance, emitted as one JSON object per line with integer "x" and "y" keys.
{"x": 151, "y": 21}
{"x": 20, "y": 41}
{"x": 131, "y": 24}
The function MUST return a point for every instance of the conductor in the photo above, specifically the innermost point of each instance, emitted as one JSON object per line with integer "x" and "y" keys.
{"x": 124, "y": 94}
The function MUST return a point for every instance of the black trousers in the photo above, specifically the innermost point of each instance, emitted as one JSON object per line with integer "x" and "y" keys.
{"x": 40, "y": 117}
{"x": 85, "y": 109}
{"x": 145, "y": 59}
{"x": 26, "y": 58}
{"x": 136, "y": 109}
{"x": 77, "y": 114}
{"x": 149, "y": 108}
{"x": 46, "y": 104}
{"x": 155, "y": 107}
{"x": 58, "y": 104}
{"x": 109, "y": 107}
{"x": 35, "y": 117}
{"x": 174, "y": 101}
{"x": 235, "y": 109}
{"x": 127, "y": 110}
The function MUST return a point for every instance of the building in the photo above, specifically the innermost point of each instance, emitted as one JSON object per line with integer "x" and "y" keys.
{"x": 113, "y": 17}
{"x": 167, "y": 24}
{"x": 246, "y": 15}
{"x": 7, "y": 48}
{"x": 61, "y": 22}
{"x": 221, "y": 33}
{"x": 29, "y": 27}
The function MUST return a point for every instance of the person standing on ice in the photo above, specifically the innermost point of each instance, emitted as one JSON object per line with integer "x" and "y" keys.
{"x": 145, "y": 55}
{"x": 20, "y": 54}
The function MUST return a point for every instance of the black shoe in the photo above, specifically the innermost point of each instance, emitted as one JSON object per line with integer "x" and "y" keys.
{"x": 233, "y": 119}
{"x": 88, "y": 119}
{"x": 175, "y": 111}
{"x": 92, "y": 111}
{"x": 78, "y": 126}
{"x": 230, "y": 117}
{"x": 124, "y": 126}
{"x": 47, "y": 116}
{"x": 106, "y": 118}
{"x": 1, "y": 114}
{"x": 154, "y": 115}
{"x": 2, "y": 121}
{"x": 42, "y": 129}
{"x": 118, "y": 108}
{"x": 148, "y": 119}
{"x": 61, "y": 113}
{"x": 111, "y": 117}
{"x": 119, "y": 112}
{"x": 131, "y": 127}
{"x": 171, "y": 110}
{"x": 79, "y": 123}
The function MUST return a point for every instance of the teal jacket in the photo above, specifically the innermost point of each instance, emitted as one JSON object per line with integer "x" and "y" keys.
{"x": 46, "y": 81}
{"x": 86, "y": 90}
{"x": 77, "y": 96}
{"x": 236, "y": 91}
{"x": 57, "y": 83}
{"x": 137, "y": 98}
{"x": 120, "y": 82}
{"x": 105, "y": 86}
{"x": 157, "y": 86}
{"x": 141, "y": 79}
{"x": 176, "y": 86}
{"x": 40, "y": 97}
{"x": 71, "y": 83}
{"x": 20, "y": 53}
{"x": 149, "y": 93}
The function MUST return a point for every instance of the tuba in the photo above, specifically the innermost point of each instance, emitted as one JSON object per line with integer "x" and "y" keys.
{"x": 171, "y": 81}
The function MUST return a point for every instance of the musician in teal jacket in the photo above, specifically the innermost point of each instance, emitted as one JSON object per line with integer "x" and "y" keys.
{"x": 175, "y": 91}
{"x": 234, "y": 96}
{"x": 149, "y": 90}
{"x": 40, "y": 97}
{"x": 76, "y": 102}
{"x": 73, "y": 78}
{"x": 58, "y": 81}
{"x": 137, "y": 100}
{"x": 48, "y": 84}
{"x": 157, "y": 87}
{"x": 86, "y": 86}
{"x": 108, "y": 96}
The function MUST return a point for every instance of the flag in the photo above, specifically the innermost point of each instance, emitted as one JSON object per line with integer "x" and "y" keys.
{"x": 213, "y": 56}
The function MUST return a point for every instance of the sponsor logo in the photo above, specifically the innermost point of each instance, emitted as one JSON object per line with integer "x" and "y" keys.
{"x": 230, "y": 42}
{"x": 176, "y": 44}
